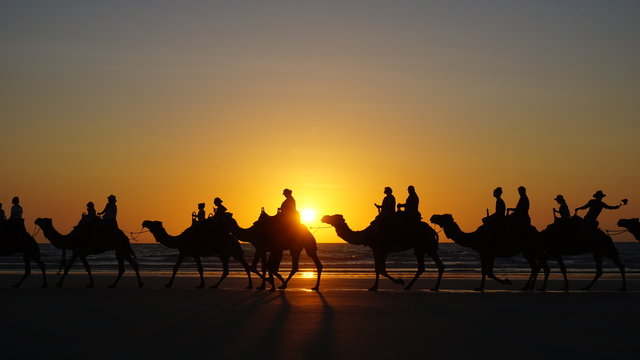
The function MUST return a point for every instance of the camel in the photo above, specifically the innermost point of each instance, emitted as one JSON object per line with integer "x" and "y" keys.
{"x": 83, "y": 241}
{"x": 418, "y": 236}
{"x": 574, "y": 238}
{"x": 273, "y": 235}
{"x": 632, "y": 225}
{"x": 200, "y": 240}
{"x": 14, "y": 240}
{"x": 500, "y": 244}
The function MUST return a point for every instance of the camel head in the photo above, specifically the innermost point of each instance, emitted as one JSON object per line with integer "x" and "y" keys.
{"x": 442, "y": 220}
{"x": 628, "y": 223}
{"x": 44, "y": 222}
{"x": 152, "y": 225}
{"x": 333, "y": 220}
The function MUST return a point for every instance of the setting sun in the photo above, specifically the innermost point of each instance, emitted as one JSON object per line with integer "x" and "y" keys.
{"x": 308, "y": 216}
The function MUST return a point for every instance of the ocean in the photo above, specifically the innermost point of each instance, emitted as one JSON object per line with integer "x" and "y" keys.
{"x": 339, "y": 259}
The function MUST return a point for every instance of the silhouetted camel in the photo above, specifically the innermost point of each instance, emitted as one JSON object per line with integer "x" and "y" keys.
{"x": 200, "y": 240}
{"x": 269, "y": 234}
{"x": 13, "y": 241}
{"x": 418, "y": 236}
{"x": 632, "y": 225}
{"x": 84, "y": 241}
{"x": 501, "y": 244}
{"x": 573, "y": 238}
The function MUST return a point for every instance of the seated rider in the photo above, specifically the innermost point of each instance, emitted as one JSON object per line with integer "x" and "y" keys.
{"x": 3, "y": 217}
{"x": 501, "y": 208}
{"x": 109, "y": 213}
{"x": 563, "y": 210}
{"x": 386, "y": 211}
{"x": 15, "y": 217}
{"x": 520, "y": 214}
{"x": 90, "y": 216}
{"x": 288, "y": 209}
{"x": 201, "y": 215}
{"x": 219, "y": 209}
{"x": 411, "y": 205}
{"x": 595, "y": 207}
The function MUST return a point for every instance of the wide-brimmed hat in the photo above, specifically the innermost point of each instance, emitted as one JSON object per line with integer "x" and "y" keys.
{"x": 559, "y": 197}
{"x": 217, "y": 201}
{"x": 599, "y": 194}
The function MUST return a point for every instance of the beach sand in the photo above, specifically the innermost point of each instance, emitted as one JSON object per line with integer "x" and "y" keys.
{"x": 343, "y": 321}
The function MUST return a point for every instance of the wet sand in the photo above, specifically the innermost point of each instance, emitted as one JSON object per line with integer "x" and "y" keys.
{"x": 343, "y": 321}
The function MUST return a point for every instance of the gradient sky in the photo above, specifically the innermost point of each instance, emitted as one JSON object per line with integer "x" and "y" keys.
{"x": 167, "y": 104}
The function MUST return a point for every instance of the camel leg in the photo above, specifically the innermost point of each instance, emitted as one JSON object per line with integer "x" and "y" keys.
{"x": 436, "y": 258}
{"x": 40, "y": 264}
{"x": 420, "y": 259}
{"x": 134, "y": 265}
{"x": 27, "y": 271}
{"x": 88, "y": 269}
{"x": 295, "y": 262}
{"x": 246, "y": 268}
{"x": 67, "y": 268}
{"x": 181, "y": 257}
{"x": 535, "y": 269}
{"x": 547, "y": 270}
{"x": 225, "y": 270}
{"x": 383, "y": 272}
{"x": 200, "y": 271}
{"x": 273, "y": 264}
{"x": 120, "y": 269}
{"x": 616, "y": 260}
{"x": 263, "y": 258}
{"x": 483, "y": 271}
{"x": 563, "y": 270}
{"x": 63, "y": 261}
{"x": 314, "y": 256}
{"x": 491, "y": 275}
{"x": 598, "y": 258}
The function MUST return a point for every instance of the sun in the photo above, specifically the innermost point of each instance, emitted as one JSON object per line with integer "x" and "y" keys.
{"x": 308, "y": 216}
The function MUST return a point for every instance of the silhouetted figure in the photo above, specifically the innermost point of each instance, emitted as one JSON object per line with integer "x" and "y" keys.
{"x": 90, "y": 216}
{"x": 220, "y": 209}
{"x": 520, "y": 214}
{"x": 411, "y": 205}
{"x": 288, "y": 208}
{"x": 563, "y": 210}
{"x": 16, "y": 209}
{"x": 501, "y": 209}
{"x": 388, "y": 207}
{"x": 110, "y": 210}
{"x": 632, "y": 225}
{"x": 200, "y": 215}
{"x": 3, "y": 217}
{"x": 595, "y": 207}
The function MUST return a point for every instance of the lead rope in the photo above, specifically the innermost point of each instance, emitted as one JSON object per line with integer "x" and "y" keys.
{"x": 615, "y": 232}
{"x": 136, "y": 234}
{"x": 36, "y": 231}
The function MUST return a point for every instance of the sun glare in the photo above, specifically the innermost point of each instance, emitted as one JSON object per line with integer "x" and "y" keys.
{"x": 307, "y": 216}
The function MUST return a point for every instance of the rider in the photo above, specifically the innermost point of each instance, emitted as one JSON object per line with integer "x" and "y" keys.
{"x": 201, "y": 215}
{"x": 15, "y": 218}
{"x": 90, "y": 215}
{"x": 219, "y": 209}
{"x": 521, "y": 211}
{"x": 411, "y": 204}
{"x": 3, "y": 217}
{"x": 595, "y": 207}
{"x": 563, "y": 210}
{"x": 501, "y": 208}
{"x": 109, "y": 213}
{"x": 288, "y": 208}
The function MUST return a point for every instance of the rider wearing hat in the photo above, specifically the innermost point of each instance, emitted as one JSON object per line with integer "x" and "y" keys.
{"x": 595, "y": 207}
{"x": 219, "y": 209}
{"x": 563, "y": 210}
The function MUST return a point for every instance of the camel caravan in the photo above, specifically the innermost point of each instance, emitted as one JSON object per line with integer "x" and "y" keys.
{"x": 505, "y": 233}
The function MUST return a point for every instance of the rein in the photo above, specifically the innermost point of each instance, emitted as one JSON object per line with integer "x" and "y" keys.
{"x": 136, "y": 234}
{"x": 36, "y": 231}
{"x": 616, "y": 232}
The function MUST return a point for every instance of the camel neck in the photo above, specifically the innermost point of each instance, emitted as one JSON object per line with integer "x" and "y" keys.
{"x": 164, "y": 238}
{"x": 56, "y": 238}
{"x": 352, "y": 237}
{"x": 453, "y": 232}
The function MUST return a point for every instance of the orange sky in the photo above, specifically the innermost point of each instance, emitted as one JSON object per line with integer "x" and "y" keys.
{"x": 170, "y": 105}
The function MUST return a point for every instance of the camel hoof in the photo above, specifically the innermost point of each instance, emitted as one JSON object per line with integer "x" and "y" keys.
{"x": 542, "y": 289}
{"x": 480, "y": 289}
{"x": 167, "y": 286}
{"x": 272, "y": 290}
{"x": 586, "y": 288}
{"x": 200, "y": 286}
{"x": 249, "y": 287}
{"x": 112, "y": 286}
{"x": 261, "y": 287}
{"x": 435, "y": 289}
{"x": 58, "y": 285}
{"x": 315, "y": 288}
{"x": 90, "y": 286}
{"x": 407, "y": 288}
{"x": 373, "y": 289}
{"x": 282, "y": 287}
{"x": 213, "y": 286}
{"x": 624, "y": 288}
{"x": 15, "y": 286}
{"x": 507, "y": 282}
{"x": 140, "y": 285}
{"x": 400, "y": 281}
